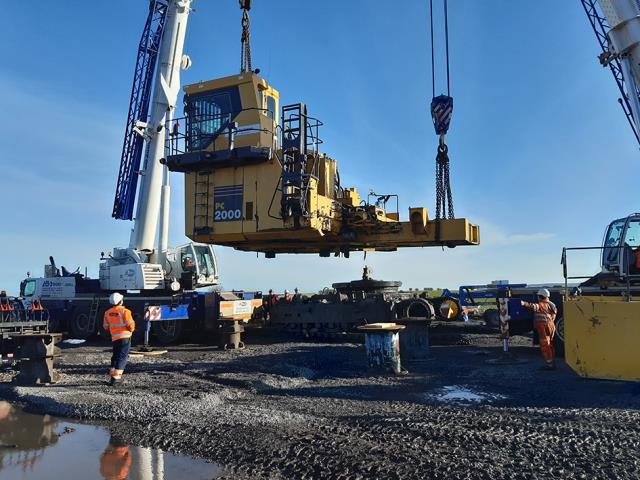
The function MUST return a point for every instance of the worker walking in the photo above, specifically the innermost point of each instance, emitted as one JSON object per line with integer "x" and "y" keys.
{"x": 119, "y": 322}
{"x": 544, "y": 315}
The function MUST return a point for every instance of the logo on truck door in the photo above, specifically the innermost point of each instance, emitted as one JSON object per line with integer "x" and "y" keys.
{"x": 227, "y": 203}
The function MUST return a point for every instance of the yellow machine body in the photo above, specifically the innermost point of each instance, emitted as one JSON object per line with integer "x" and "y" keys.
{"x": 246, "y": 190}
{"x": 601, "y": 337}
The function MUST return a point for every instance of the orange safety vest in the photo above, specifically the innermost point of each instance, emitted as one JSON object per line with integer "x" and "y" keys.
{"x": 119, "y": 322}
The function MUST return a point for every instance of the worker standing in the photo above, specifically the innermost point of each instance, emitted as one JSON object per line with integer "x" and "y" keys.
{"x": 544, "y": 315}
{"x": 119, "y": 322}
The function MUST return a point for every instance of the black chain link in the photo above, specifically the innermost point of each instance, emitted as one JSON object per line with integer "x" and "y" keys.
{"x": 444, "y": 199}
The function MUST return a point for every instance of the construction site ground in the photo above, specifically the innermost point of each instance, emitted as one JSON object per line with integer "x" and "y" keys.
{"x": 288, "y": 408}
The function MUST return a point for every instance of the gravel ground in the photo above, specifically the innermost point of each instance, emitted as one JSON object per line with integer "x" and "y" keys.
{"x": 283, "y": 408}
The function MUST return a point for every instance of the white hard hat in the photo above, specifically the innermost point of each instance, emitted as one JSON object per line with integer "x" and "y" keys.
{"x": 543, "y": 292}
{"x": 115, "y": 298}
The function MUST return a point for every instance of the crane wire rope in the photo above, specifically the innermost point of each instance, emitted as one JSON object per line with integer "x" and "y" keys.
{"x": 441, "y": 110}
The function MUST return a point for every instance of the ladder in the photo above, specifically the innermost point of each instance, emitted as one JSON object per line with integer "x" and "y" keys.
{"x": 202, "y": 199}
{"x": 294, "y": 180}
{"x": 93, "y": 313}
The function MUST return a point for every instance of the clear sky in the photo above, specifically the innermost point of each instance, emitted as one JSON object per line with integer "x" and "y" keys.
{"x": 541, "y": 154}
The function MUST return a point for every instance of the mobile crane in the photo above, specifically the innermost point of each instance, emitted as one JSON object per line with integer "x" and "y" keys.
{"x": 179, "y": 283}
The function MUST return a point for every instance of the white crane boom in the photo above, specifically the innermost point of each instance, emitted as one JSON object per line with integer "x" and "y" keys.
{"x": 623, "y": 17}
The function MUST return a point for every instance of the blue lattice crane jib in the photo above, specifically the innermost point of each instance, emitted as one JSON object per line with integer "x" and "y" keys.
{"x": 141, "y": 89}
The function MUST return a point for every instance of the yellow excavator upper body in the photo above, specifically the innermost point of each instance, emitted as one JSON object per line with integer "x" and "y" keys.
{"x": 257, "y": 181}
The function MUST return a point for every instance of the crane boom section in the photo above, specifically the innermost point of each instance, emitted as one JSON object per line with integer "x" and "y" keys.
{"x": 623, "y": 17}
{"x": 166, "y": 89}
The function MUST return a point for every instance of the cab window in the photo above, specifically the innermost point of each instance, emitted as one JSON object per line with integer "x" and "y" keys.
{"x": 208, "y": 114}
{"x": 632, "y": 235}
{"x": 614, "y": 233}
{"x": 29, "y": 288}
{"x": 205, "y": 262}
{"x": 187, "y": 261}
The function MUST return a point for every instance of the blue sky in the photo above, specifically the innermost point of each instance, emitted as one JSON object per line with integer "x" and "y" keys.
{"x": 541, "y": 154}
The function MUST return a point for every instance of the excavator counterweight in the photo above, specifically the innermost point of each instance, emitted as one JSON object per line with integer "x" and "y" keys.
{"x": 256, "y": 180}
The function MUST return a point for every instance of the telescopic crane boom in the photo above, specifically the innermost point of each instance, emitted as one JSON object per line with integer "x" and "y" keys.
{"x": 616, "y": 24}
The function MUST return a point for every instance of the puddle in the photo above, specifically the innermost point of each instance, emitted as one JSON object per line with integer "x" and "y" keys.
{"x": 38, "y": 447}
{"x": 459, "y": 395}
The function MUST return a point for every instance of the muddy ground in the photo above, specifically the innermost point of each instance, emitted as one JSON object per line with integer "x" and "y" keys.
{"x": 288, "y": 408}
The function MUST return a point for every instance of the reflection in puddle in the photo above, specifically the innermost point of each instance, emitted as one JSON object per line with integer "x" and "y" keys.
{"x": 43, "y": 447}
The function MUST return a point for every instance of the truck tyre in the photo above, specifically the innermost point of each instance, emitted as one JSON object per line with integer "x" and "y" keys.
{"x": 167, "y": 331}
{"x": 491, "y": 317}
{"x": 53, "y": 323}
{"x": 558, "y": 338}
{"x": 81, "y": 326}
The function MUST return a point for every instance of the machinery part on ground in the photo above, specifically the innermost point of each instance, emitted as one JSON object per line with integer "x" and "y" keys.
{"x": 382, "y": 344}
{"x": 338, "y": 312}
{"x": 229, "y": 334}
{"x": 491, "y": 317}
{"x": 35, "y": 353}
{"x": 414, "y": 340}
{"x": 448, "y": 308}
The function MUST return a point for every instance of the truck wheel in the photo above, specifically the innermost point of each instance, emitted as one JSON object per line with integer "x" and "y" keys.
{"x": 81, "y": 326}
{"x": 53, "y": 324}
{"x": 558, "y": 338}
{"x": 491, "y": 317}
{"x": 449, "y": 309}
{"x": 167, "y": 331}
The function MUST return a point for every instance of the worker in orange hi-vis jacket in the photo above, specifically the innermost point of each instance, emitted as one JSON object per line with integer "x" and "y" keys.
{"x": 115, "y": 460}
{"x": 544, "y": 315}
{"x": 119, "y": 322}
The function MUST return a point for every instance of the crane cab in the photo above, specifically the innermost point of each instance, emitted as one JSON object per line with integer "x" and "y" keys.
{"x": 621, "y": 244}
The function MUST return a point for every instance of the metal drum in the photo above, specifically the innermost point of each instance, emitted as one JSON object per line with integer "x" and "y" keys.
{"x": 382, "y": 344}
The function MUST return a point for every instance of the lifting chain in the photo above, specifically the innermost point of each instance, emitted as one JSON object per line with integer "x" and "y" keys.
{"x": 245, "y": 51}
{"x": 444, "y": 199}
